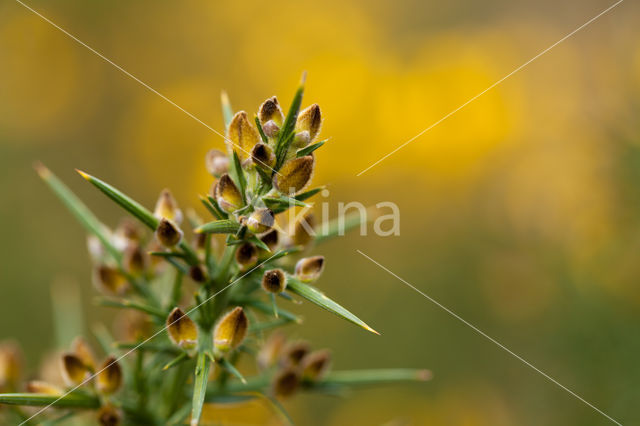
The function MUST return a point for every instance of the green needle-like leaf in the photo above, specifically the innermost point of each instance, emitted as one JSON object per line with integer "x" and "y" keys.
{"x": 199, "y": 386}
{"x": 285, "y": 137}
{"x": 237, "y": 174}
{"x": 225, "y": 226}
{"x": 315, "y": 296}
{"x": 130, "y": 304}
{"x": 177, "y": 360}
{"x": 232, "y": 369}
{"x": 374, "y": 377}
{"x": 309, "y": 149}
{"x": 340, "y": 226}
{"x": 260, "y": 130}
{"x": 72, "y": 400}
{"x": 79, "y": 210}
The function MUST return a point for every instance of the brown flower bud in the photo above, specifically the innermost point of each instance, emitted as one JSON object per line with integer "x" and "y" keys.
{"x": 135, "y": 260}
{"x": 108, "y": 279}
{"x": 198, "y": 274}
{"x": 127, "y": 232}
{"x": 217, "y": 162}
{"x": 109, "y": 377}
{"x": 270, "y": 351}
{"x": 38, "y": 386}
{"x": 270, "y": 110}
{"x": 83, "y": 351}
{"x": 310, "y": 120}
{"x": 182, "y": 330}
{"x": 230, "y": 330}
{"x": 303, "y": 232}
{"x": 108, "y": 415}
{"x": 227, "y": 194}
{"x": 270, "y": 129}
{"x": 274, "y": 281}
{"x": 246, "y": 255}
{"x": 285, "y": 382}
{"x": 301, "y": 139}
{"x": 309, "y": 268}
{"x": 293, "y": 353}
{"x": 315, "y": 365}
{"x": 295, "y": 175}
{"x": 262, "y": 156}
{"x": 261, "y": 220}
{"x": 167, "y": 208}
{"x": 168, "y": 234}
{"x": 243, "y": 135}
{"x": 74, "y": 372}
{"x": 271, "y": 239}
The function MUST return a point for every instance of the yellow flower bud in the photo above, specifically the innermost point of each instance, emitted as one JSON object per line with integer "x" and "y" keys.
{"x": 295, "y": 175}
{"x": 168, "y": 234}
{"x": 301, "y": 139}
{"x": 285, "y": 382}
{"x": 315, "y": 365}
{"x": 270, "y": 111}
{"x": 167, "y": 208}
{"x": 38, "y": 386}
{"x": 182, "y": 330}
{"x": 74, "y": 371}
{"x": 310, "y": 120}
{"x": 262, "y": 156}
{"x": 246, "y": 255}
{"x": 230, "y": 330}
{"x": 227, "y": 194}
{"x": 261, "y": 220}
{"x": 10, "y": 366}
{"x": 217, "y": 162}
{"x": 309, "y": 268}
{"x": 243, "y": 135}
{"x": 108, "y": 279}
{"x": 274, "y": 281}
{"x": 109, "y": 377}
{"x": 83, "y": 351}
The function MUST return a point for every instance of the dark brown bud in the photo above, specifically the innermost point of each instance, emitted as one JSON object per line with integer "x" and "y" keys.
{"x": 217, "y": 162}
{"x": 293, "y": 353}
{"x": 309, "y": 268}
{"x": 246, "y": 255}
{"x": 135, "y": 260}
{"x": 271, "y": 239}
{"x": 315, "y": 365}
{"x": 74, "y": 372}
{"x": 108, "y": 415}
{"x": 261, "y": 220}
{"x": 270, "y": 110}
{"x": 262, "y": 156}
{"x": 285, "y": 382}
{"x": 295, "y": 175}
{"x": 274, "y": 281}
{"x": 198, "y": 274}
{"x": 108, "y": 279}
{"x": 109, "y": 377}
{"x": 168, "y": 234}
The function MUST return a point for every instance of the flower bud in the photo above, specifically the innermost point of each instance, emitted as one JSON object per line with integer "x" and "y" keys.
{"x": 127, "y": 232}
{"x": 271, "y": 239}
{"x": 168, "y": 234}
{"x": 108, "y": 279}
{"x": 246, "y": 255}
{"x": 243, "y": 135}
{"x": 230, "y": 330}
{"x": 10, "y": 366}
{"x": 262, "y": 156}
{"x": 38, "y": 386}
{"x": 83, "y": 351}
{"x": 74, "y": 371}
{"x": 182, "y": 330}
{"x": 132, "y": 325}
{"x": 270, "y": 111}
{"x": 95, "y": 248}
{"x": 274, "y": 281}
{"x": 309, "y": 268}
{"x": 109, "y": 377}
{"x": 303, "y": 233}
{"x": 167, "y": 208}
{"x": 271, "y": 129}
{"x": 295, "y": 175}
{"x": 227, "y": 194}
{"x": 135, "y": 260}
{"x": 198, "y": 274}
{"x": 108, "y": 415}
{"x": 270, "y": 350}
{"x": 261, "y": 220}
{"x": 301, "y": 139}
{"x": 294, "y": 353}
{"x": 310, "y": 119}
{"x": 315, "y": 365}
{"x": 285, "y": 382}
{"x": 217, "y": 162}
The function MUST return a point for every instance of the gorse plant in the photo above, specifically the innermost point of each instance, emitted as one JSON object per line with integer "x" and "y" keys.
{"x": 192, "y": 308}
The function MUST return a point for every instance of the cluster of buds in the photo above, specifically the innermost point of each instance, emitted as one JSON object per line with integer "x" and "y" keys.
{"x": 294, "y": 363}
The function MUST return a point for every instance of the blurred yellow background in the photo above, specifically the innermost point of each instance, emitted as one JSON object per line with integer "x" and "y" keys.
{"x": 521, "y": 212}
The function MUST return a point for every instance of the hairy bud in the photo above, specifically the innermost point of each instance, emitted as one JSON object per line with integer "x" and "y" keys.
{"x": 227, "y": 194}
{"x": 293, "y": 353}
{"x": 230, "y": 330}
{"x": 109, "y": 377}
{"x": 246, "y": 255}
{"x": 270, "y": 111}
{"x": 315, "y": 365}
{"x": 82, "y": 350}
{"x": 168, "y": 234}
{"x": 301, "y": 139}
{"x": 309, "y": 268}
{"x": 135, "y": 260}
{"x": 271, "y": 239}
{"x": 285, "y": 382}
{"x": 303, "y": 232}
{"x": 167, "y": 207}
{"x": 74, "y": 371}
{"x": 310, "y": 120}
{"x": 274, "y": 281}
{"x": 243, "y": 135}
{"x": 271, "y": 129}
{"x": 182, "y": 330}
{"x": 198, "y": 274}
{"x": 295, "y": 175}
{"x": 217, "y": 162}
{"x": 108, "y": 279}
{"x": 38, "y": 386}
{"x": 262, "y": 156}
{"x": 261, "y": 220}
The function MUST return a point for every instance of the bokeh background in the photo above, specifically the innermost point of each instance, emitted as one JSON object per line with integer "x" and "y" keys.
{"x": 521, "y": 212}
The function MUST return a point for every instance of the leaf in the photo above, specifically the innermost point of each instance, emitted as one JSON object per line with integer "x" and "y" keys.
{"x": 336, "y": 227}
{"x": 199, "y": 387}
{"x": 259, "y": 243}
{"x": 232, "y": 369}
{"x": 374, "y": 377}
{"x": 282, "y": 203}
{"x": 129, "y": 304}
{"x": 315, "y": 296}
{"x": 205, "y": 202}
{"x": 260, "y": 130}
{"x": 177, "y": 360}
{"x": 309, "y": 149}
{"x": 285, "y": 137}
{"x": 135, "y": 209}
{"x": 308, "y": 194}
{"x": 71, "y": 400}
{"x": 225, "y": 226}
{"x": 79, "y": 210}
{"x": 237, "y": 174}
{"x": 283, "y": 252}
